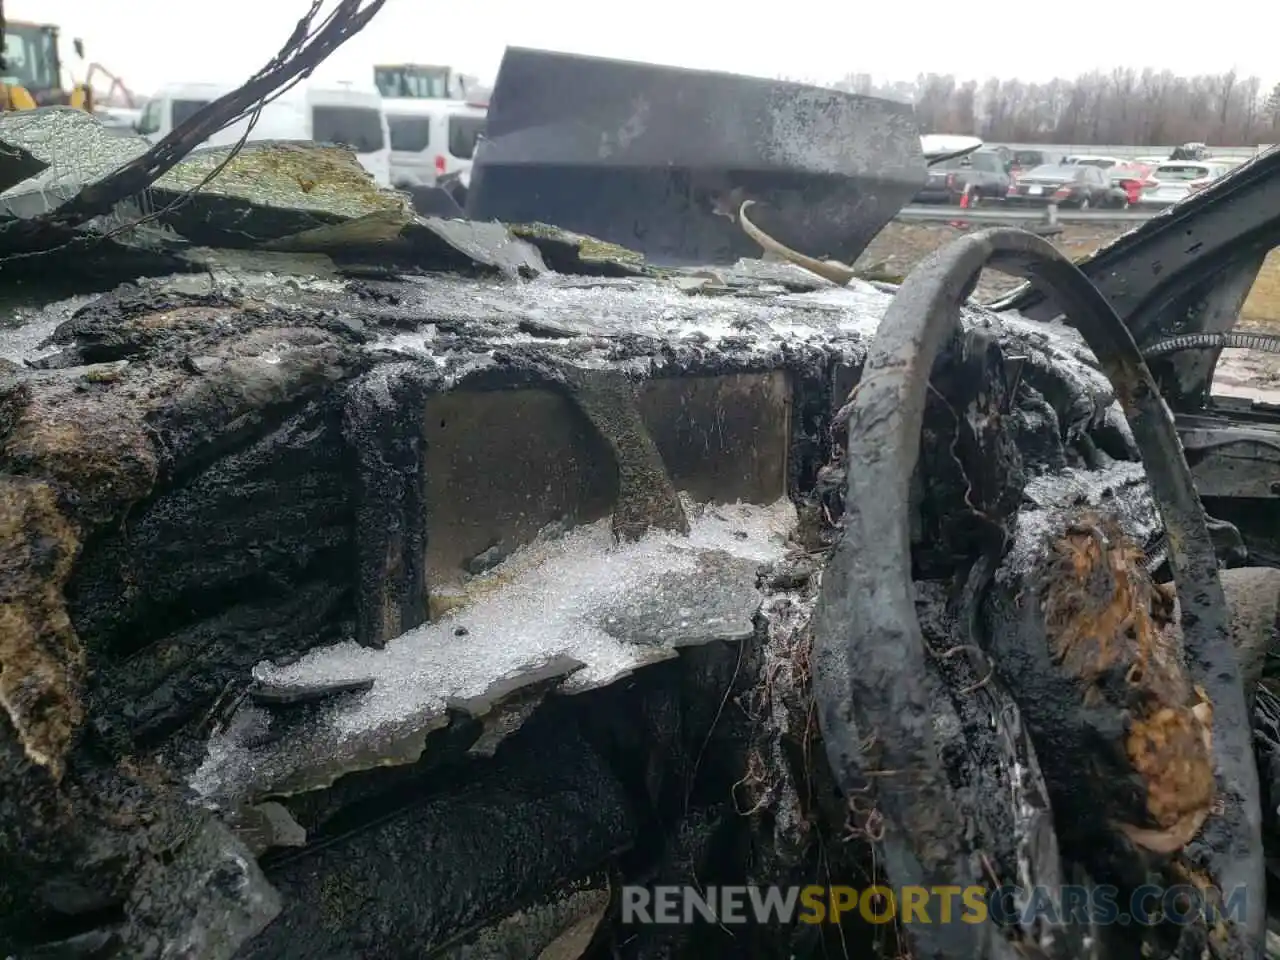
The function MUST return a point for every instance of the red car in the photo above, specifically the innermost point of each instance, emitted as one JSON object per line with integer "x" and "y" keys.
{"x": 1132, "y": 178}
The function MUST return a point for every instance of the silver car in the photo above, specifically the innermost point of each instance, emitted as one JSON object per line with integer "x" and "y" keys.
{"x": 1176, "y": 179}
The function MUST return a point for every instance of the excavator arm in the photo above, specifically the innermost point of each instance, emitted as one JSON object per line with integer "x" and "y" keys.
{"x": 117, "y": 85}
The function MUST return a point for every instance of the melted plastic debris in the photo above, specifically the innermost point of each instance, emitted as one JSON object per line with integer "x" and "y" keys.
{"x": 611, "y": 607}
{"x": 1120, "y": 490}
{"x": 776, "y": 272}
{"x": 1065, "y": 346}
{"x": 1115, "y": 419}
{"x": 587, "y": 317}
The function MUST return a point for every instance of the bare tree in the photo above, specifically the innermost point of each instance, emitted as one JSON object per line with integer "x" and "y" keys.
{"x": 1271, "y": 110}
{"x": 1123, "y": 107}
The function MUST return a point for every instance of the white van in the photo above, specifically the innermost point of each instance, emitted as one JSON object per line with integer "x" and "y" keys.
{"x": 431, "y": 137}
{"x": 344, "y": 113}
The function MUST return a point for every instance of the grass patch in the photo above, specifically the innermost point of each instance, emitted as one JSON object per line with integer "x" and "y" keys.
{"x": 1262, "y": 308}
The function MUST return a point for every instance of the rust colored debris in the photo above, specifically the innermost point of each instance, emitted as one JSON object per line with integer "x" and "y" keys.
{"x": 1112, "y": 628}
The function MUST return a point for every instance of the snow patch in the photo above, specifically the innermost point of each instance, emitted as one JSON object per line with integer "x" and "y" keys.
{"x": 24, "y": 329}
{"x": 612, "y": 607}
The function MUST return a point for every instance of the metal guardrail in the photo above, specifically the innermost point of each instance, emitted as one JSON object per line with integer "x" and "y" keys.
{"x": 1130, "y": 151}
{"x": 998, "y": 213}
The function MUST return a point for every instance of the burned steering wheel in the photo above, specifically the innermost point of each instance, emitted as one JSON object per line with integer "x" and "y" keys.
{"x": 870, "y": 671}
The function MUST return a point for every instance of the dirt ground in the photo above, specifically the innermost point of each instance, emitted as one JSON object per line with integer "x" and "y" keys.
{"x": 900, "y": 246}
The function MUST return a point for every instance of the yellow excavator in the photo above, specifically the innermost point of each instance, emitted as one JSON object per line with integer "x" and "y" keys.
{"x": 31, "y": 69}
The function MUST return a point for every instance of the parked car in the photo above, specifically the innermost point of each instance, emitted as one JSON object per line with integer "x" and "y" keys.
{"x": 1068, "y": 185}
{"x": 1024, "y": 160}
{"x": 1173, "y": 181}
{"x": 1190, "y": 151}
{"x": 1089, "y": 160}
{"x": 936, "y": 146}
{"x": 1131, "y": 179}
{"x": 982, "y": 171}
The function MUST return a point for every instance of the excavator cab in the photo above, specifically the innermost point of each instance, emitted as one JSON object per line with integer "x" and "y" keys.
{"x": 32, "y": 69}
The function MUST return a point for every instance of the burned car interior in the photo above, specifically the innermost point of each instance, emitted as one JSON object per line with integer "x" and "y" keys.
{"x": 386, "y": 585}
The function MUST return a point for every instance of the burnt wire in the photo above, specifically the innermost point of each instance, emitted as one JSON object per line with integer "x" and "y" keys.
{"x": 301, "y": 35}
{"x": 1266, "y": 342}
{"x": 305, "y": 49}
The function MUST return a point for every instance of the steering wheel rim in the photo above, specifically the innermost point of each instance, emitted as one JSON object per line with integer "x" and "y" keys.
{"x": 868, "y": 646}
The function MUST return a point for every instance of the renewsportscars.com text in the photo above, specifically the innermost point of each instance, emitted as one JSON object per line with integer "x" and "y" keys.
{"x": 1100, "y": 905}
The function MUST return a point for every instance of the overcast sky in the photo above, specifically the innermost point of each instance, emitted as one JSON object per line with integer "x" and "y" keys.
{"x": 150, "y": 42}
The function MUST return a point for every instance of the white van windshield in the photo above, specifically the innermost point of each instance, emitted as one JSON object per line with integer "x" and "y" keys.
{"x": 360, "y": 128}
{"x": 149, "y": 122}
{"x": 412, "y": 82}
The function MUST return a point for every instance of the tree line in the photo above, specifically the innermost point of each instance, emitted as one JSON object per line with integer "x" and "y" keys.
{"x": 1125, "y": 106}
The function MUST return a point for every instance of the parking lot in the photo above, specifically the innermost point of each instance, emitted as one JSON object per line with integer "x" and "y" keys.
{"x": 1037, "y": 178}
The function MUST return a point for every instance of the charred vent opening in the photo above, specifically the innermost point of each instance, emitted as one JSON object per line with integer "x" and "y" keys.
{"x": 503, "y": 465}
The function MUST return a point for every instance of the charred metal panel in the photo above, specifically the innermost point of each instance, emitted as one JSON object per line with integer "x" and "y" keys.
{"x": 1232, "y": 460}
{"x": 605, "y": 147}
{"x": 346, "y": 898}
{"x": 503, "y": 464}
{"x": 723, "y": 439}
